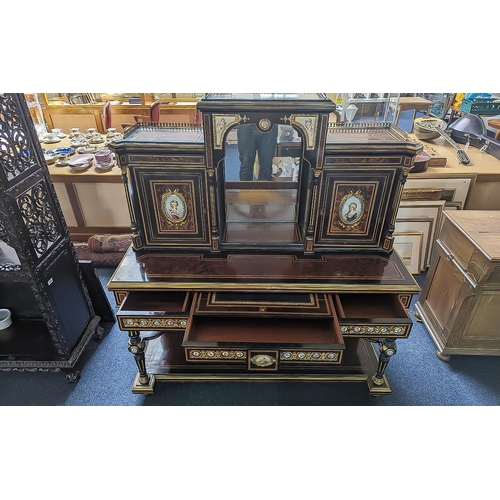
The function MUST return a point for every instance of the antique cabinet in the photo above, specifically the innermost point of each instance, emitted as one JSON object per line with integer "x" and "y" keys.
{"x": 263, "y": 244}
{"x": 40, "y": 279}
{"x": 460, "y": 301}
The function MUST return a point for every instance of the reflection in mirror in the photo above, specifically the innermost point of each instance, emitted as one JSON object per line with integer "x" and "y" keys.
{"x": 261, "y": 173}
{"x": 9, "y": 261}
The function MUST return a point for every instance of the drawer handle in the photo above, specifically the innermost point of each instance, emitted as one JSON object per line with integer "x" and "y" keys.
{"x": 450, "y": 256}
{"x": 262, "y": 360}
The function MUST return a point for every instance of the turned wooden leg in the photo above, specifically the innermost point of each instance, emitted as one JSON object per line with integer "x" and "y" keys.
{"x": 387, "y": 349}
{"x": 136, "y": 347}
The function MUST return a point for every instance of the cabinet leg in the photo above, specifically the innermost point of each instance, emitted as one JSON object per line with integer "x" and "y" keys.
{"x": 418, "y": 317}
{"x": 136, "y": 347}
{"x": 387, "y": 349}
{"x": 443, "y": 357}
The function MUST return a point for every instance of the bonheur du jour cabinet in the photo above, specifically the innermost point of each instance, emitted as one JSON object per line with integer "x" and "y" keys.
{"x": 263, "y": 244}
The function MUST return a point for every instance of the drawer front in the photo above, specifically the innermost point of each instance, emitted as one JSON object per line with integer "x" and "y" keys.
{"x": 265, "y": 360}
{"x": 138, "y": 322}
{"x": 216, "y": 355}
{"x": 363, "y": 315}
{"x": 457, "y": 243}
{"x": 359, "y": 329}
{"x": 154, "y": 311}
{"x": 316, "y": 357}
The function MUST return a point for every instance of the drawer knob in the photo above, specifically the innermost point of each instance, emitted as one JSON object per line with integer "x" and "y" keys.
{"x": 263, "y": 360}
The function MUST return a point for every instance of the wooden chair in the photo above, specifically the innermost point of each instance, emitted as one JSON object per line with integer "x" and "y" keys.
{"x": 154, "y": 112}
{"x": 106, "y": 115}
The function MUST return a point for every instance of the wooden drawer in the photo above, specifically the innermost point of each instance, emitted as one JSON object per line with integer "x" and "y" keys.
{"x": 372, "y": 315}
{"x": 457, "y": 243}
{"x": 274, "y": 304}
{"x": 155, "y": 311}
{"x": 263, "y": 343}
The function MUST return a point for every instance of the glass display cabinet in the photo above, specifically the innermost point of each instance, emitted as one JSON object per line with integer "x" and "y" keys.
{"x": 40, "y": 279}
{"x": 263, "y": 244}
{"x": 355, "y": 107}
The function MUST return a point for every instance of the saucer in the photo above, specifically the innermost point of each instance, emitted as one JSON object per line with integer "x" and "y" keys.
{"x": 61, "y": 151}
{"x": 78, "y": 144}
{"x": 96, "y": 141}
{"x": 86, "y": 149}
{"x": 49, "y": 159}
{"x": 104, "y": 168}
{"x": 80, "y": 168}
{"x": 52, "y": 141}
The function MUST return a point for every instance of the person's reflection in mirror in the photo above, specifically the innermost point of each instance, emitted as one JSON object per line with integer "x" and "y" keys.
{"x": 250, "y": 141}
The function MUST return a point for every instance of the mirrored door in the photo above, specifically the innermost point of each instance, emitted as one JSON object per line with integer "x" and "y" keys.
{"x": 262, "y": 172}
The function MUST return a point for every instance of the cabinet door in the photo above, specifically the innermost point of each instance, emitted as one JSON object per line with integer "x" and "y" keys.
{"x": 354, "y": 207}
{"x": 174, "y": 206}
{"x": 446, "y": 291}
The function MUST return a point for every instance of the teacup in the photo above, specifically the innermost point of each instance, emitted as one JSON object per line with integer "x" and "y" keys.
{"x": 56, "y": 131}
{"x": 50, "y": 137}
{"x": 91, "y": 131}
{"x": 74, "y": 132}
{"x": 62, "y": 159}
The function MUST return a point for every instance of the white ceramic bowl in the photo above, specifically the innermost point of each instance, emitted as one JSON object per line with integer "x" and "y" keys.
{"x": 5, "y": 319}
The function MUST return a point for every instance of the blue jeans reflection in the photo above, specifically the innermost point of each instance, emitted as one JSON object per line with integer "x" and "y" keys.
{"x": 250, "y": 141}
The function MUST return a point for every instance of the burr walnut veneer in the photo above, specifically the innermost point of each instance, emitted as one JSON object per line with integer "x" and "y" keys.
{"x": 290, "y": 276}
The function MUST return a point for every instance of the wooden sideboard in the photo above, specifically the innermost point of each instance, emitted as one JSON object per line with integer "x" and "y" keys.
{"x": 460, "y": 301}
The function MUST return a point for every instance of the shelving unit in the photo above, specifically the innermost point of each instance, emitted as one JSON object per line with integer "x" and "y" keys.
{"x": 41, "y": 282}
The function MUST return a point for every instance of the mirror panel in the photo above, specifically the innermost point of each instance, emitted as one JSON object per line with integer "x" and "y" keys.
{"x": 261, "y": 171}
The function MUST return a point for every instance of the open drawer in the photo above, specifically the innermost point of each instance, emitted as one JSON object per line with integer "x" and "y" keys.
{"x": 281, "y": 304}
{"x": 372, "y": 315}
{"x": 155, "y": 311}
{"x": 263, "y": 342}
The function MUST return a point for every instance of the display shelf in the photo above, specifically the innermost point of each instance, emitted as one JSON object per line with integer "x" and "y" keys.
{"x": 41, "y": 283}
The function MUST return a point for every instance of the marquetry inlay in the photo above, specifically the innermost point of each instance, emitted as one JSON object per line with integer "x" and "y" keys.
{"x": 218, "y": 354}
{"x": 385, "y": 330}
{"x": 314, "y": 356}
{"x": 152, "y": 323}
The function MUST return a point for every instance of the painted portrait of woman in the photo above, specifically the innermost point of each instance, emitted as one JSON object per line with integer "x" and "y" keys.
{"x": 351, "y": 209}
{"x": 174, "y": 207}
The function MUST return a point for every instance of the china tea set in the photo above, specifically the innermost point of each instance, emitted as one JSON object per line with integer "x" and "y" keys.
{"x": 55, "y": 135}
{"x": 90, "y": 146}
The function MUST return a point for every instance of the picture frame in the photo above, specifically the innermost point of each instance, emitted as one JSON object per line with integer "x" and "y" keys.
{"x": 430, "y": 210}
{"x": 454, "y": 190}
{"x": 409, "y": 248}
{"x": 418, "y": 225}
